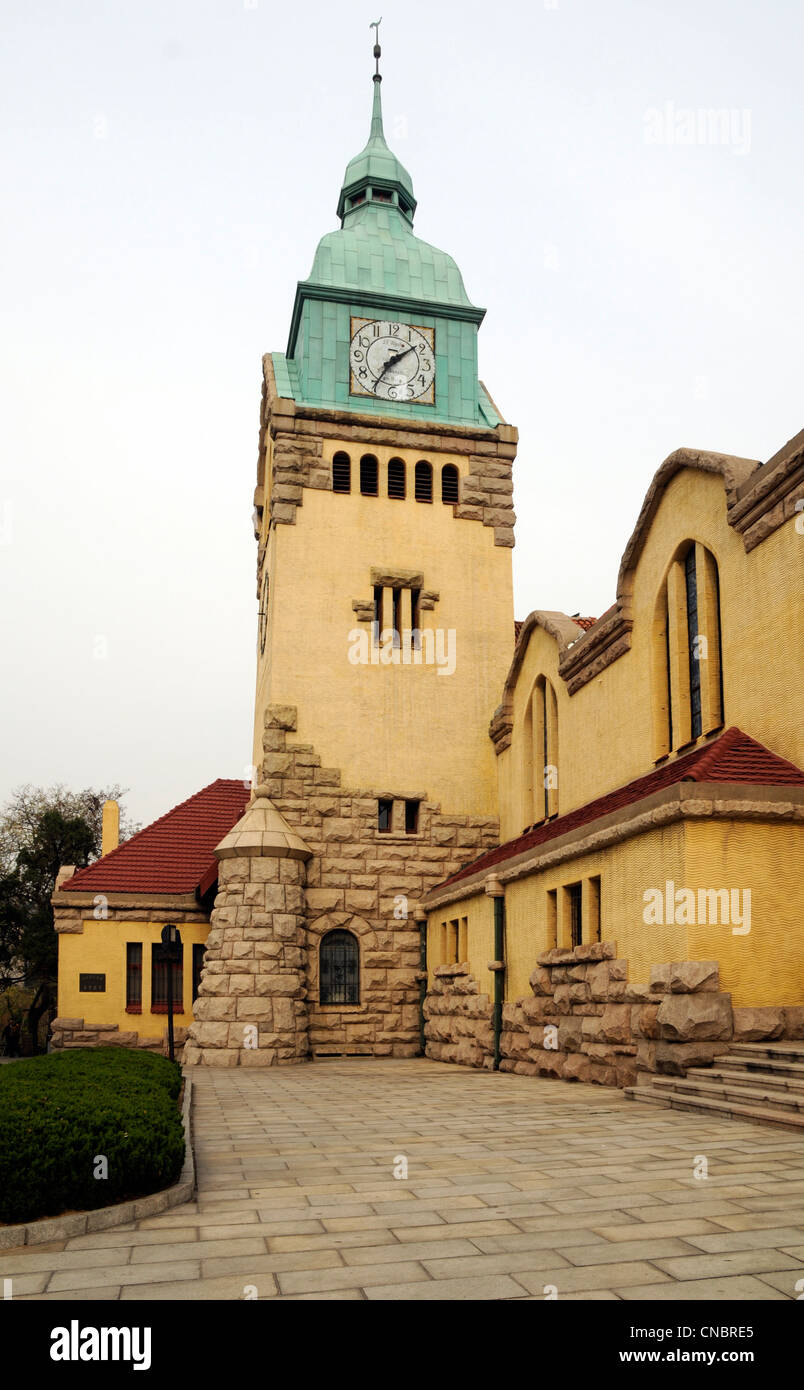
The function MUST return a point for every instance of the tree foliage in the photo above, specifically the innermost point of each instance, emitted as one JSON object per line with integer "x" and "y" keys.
{"x": 42, "y": 829}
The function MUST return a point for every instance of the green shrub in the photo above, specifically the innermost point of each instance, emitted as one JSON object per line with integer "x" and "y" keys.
{"x": 59, "y": 1113}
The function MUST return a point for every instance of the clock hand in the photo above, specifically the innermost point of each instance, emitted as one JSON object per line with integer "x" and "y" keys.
{"x": 392, "y": 360}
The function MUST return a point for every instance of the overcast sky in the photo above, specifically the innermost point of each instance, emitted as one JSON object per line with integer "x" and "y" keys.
{"x": 168, "y": 167}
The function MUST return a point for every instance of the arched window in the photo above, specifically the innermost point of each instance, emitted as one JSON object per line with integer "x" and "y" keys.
{"x": 396, "y": 478}
{"x": 687, "y": 656}
{"x": 540, "y": 753}
{"x": 341, "y": 473}
{"x": 449, "y": 483}
{"x": 368, "y": 475}
{"x": 339, "y": 969}
{"x": 424, "y": 481}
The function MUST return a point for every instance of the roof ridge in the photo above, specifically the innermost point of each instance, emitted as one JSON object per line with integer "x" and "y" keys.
{"x": 106, "y": 859}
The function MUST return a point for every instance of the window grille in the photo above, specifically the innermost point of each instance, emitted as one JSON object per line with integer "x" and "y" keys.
{"x": 339, "y": 972}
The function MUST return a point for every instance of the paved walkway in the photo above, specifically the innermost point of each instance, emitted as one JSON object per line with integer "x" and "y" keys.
{"x": 517, "y": 1188}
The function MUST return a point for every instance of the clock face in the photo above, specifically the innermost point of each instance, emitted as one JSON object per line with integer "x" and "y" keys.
{"x": 392, "y": 361}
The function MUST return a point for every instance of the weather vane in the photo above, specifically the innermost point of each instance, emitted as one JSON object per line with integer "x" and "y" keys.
{"x": 375, "y": 25}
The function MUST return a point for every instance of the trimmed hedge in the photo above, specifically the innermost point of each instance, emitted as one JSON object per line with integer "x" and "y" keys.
{"x": 60, "y": 1112}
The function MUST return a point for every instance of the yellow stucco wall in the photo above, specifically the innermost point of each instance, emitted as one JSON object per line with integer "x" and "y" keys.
{"x": 101, "y": 949}
{"x": 479, "y": 914}
{"x": 605, "y": 730}
{"x": 765, "y": 965}
{"x": 429, "y": 732}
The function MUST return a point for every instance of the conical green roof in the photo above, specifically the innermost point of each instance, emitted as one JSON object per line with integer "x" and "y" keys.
{"x": 376, "y": 163}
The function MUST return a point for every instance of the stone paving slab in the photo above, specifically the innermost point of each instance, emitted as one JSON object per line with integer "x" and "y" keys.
{"x": 516, "y": 1186}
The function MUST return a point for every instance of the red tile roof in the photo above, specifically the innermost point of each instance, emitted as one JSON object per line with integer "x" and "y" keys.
{"x": 585, "y": 623}
{"x": 733, "y": 757}
{"x": 175, "y": 854}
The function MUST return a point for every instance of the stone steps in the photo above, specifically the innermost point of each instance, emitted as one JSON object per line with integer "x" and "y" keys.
{"x": 754, "y": 1093}
{"x": 769, "y": 1080}
{"x": 761, "y": 1083}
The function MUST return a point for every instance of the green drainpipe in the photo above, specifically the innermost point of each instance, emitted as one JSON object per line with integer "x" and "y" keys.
{"x": 495, "y": 890}
{"x": 421, "y": 917}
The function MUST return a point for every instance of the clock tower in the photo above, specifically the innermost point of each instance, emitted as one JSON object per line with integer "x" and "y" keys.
{"x": 384, "y": 521}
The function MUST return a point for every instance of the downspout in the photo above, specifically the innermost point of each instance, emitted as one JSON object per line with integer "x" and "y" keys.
{"x": 420, "y": 916}
{"x": 495, "y": 890}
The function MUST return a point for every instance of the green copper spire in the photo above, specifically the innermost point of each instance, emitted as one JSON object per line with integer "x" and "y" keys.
{"x": 376, "y": 178}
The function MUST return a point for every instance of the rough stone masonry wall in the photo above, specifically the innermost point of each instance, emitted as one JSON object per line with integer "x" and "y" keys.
{"x": 355, "y": 880}
{"x": 458, "y": 1019}
{"x": 585, "y": 1022}
{"x": 251, "y": 1008}
{"x": 73, "y": 1032}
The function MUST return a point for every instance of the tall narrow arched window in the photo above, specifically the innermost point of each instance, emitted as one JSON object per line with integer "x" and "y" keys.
{"x": 540, "y": 753}
{"x": 396, "y": 478}
{"x": 368, "y": 475}
{"x": 341, "y": 473}
{"x": 424, "y": 481}
{"x": 449, "y": 483}
{"x": 339, "y": 969}
{"x": 687, "y": 654}
{"x": 693, "y": 639}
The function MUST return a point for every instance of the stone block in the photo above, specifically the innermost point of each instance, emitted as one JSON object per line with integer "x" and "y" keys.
{"x": 690, "y": 976}
{"x": 214, "y": 1010}
{"x": 570, "y": 1034}
{"x": 643, "y": 1020}
{"x": 210, "y": 1034}
{"x": 794, "y": 1021}
{"x": 324, "y": 899}
{"x": 615, "y": 1023}
{"x": 673, "y": 1059}
{"x": 540, "y": 981}
{"x": 754, "y": 1025}
{"x": 577, "y": 1067}
{"x": 659, "y": 979}
{"x": 602, "y": 1074}
{"x": 688, "y": 1017}
{"x": 280, "y": 717}
{"x": 288, "y": 984}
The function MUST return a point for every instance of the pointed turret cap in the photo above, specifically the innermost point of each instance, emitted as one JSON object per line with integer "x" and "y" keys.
{"x": 262, "y": 832}
{"x": 376, "y": 167}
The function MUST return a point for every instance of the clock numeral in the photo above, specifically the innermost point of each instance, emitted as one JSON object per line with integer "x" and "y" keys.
{"x": 394, "y": 327}
{"x": 363, "y": 372}
{"x": 357, "y": 356}
{"x": 376, "y": 330}
{"x": 427, "y": 366}
{"x": 364, "y": 342}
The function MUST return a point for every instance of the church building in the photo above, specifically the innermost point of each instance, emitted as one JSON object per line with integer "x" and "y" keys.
{"x": 565, "y": 846}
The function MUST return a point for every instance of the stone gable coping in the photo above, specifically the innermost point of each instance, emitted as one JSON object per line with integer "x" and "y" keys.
{"x": 566, "y": 633}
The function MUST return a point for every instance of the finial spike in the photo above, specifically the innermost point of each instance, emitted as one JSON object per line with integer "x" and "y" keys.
{"x": 375, "y": 25}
